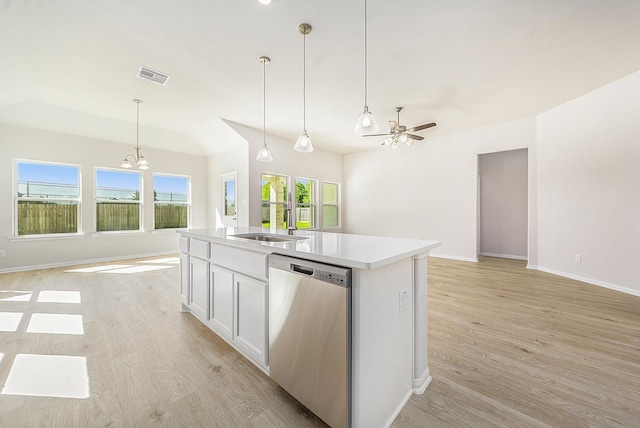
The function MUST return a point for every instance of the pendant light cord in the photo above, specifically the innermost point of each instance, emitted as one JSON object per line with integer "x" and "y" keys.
{"x": 365, "y": 55}
{"x": 304, "y": 83}
{"x": 264, "y": 103}
{"x": 137, "y": 127}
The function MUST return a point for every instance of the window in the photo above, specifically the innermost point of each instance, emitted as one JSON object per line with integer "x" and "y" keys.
{"x": 47, "y": 198}
{"x": 171, "y": 201}
{"x": 305, "y": 203}
{"x": 118, "y": 200}
{"x": 330, "y": 204}
{"x": 274, "y": 201}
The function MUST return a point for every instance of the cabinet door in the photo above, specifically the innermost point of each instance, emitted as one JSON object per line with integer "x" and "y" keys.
{"x": 222, "y": 301}
{"x": 250, "y": 329}
{"x": 184, "y": 278}
{"x": 199, "y": 302}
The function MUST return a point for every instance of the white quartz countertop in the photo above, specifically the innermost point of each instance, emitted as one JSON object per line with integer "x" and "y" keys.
{"x": 355, "y": 251}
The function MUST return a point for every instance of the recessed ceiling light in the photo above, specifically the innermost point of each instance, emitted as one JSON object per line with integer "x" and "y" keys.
{"x": 265, "y": 1}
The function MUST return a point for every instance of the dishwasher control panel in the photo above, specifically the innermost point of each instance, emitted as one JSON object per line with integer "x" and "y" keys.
{"x": 330, "y": 277}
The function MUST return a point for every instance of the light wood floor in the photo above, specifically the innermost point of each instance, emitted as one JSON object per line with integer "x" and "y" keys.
{"x": 507, "y": 347}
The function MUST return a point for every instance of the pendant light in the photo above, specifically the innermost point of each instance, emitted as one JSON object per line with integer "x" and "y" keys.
{"x": 137, "y": 158}
{"x": 366, "y": 123}
{"x": 303, "y": 144}
{"x": 264, "y": 154}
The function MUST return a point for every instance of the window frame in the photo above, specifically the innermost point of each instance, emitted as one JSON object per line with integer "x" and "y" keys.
{"x": 337, "y": 205}
{"x": 17, "y": 199}
{"x": 283, "y": 204}
{"x": 313, "y": 203}
{"x": 139, "y": 201}
{"x": 187, "y": 203}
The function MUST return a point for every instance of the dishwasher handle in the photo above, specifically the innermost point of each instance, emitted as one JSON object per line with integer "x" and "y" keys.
{"x": 302, "y": 269}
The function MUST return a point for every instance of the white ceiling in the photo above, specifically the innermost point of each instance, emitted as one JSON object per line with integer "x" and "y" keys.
{"x": 71, "y": 65}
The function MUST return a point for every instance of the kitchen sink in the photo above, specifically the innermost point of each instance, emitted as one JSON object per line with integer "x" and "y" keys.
{"x": 268, "y": 237}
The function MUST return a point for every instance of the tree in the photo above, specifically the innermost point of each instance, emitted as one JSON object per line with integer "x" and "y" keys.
{"x": 302, "y": 193}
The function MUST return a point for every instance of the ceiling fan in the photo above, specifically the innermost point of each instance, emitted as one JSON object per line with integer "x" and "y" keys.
{"x": 400, "y": 133}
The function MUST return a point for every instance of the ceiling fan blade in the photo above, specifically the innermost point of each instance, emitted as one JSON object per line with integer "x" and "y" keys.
{"x": 394, "y": 125}
{"x": 414, "y": 137}
{"x": 421, "y": 127}
{"x": 374, "y": 135}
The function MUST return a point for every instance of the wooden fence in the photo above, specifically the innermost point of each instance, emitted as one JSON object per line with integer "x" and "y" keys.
{"x": 171, "y": 216}
{"x": 113, "y": 216}
{"x": 36, "y": 218}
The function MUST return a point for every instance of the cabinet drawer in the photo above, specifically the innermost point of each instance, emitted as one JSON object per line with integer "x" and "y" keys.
{"x": 184, "y": 244}
{"x": 199, "y": 248}
{"x": 239, "y": 260}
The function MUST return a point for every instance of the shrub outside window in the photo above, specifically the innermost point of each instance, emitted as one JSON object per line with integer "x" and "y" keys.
{"x": 118, "y": 200}
{"x": 330, "y": 204}
{"x": 47, "y": 198}
{"x": 171, "y": 198}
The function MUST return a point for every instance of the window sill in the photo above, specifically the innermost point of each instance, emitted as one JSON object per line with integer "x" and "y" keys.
{"x": 118, "y": 233}
{"x": 29, "y": 238}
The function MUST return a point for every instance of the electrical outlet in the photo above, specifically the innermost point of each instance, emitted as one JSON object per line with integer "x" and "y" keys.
{"x": 2, "y": 253}
{"x": 404, "y": 300}
{"x": 578, "y": 258}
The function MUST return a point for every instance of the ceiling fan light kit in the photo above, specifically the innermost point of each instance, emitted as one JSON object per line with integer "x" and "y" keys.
{"x": 400, "y": 133}
{"x": 303, "y": 143}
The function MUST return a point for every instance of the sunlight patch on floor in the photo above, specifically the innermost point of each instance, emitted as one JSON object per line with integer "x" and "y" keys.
{"x": 9, "y": 321}
{"x": 48, "y": 376}
{"x": 97, "y": 268}
{"x": 168, "y": 260}
{"x": 15, "y": 296}
{"x": 57, "y": 296}
{"x": 137, "y": 269}
{"x": 56, "y": 324}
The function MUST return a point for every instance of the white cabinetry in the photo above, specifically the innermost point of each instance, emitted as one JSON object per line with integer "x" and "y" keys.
{"x": 199, "y": 302}
{"x": 185, "y": 282}
{"x": 222, "y": 301}
{"x": 250, "y": 332}
{"x": 226, "y": 288}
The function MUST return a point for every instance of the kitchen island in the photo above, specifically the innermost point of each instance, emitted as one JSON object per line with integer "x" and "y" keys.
{"x": 224, "y": 283}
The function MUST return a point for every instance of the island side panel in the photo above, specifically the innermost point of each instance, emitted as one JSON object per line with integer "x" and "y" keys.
{"x": 382, "y": 343}
{"x": 421, "y": 374}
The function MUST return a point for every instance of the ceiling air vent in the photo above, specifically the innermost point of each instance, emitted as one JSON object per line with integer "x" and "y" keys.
{"x": 154, "y": 76}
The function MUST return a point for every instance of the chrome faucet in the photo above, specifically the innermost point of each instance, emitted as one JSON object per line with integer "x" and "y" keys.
{"x": 291, "y": 224}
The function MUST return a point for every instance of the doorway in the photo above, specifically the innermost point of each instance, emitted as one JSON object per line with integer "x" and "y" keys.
{"x": 503, "y": 204}
{"x": 229, "y": 198}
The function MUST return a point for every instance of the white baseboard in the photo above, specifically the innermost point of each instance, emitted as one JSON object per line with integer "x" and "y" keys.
{"x": 504, "y": 256}
{"x": 462, "y": 259}
{"x": 87, "y": 261}
{"x": 604, "y": 284}
{"x": 421, "y": 384}
{"x": 398, "y": 409}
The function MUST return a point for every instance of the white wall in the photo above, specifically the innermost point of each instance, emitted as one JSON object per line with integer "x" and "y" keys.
{"x": 320, "y": 165}
{"x": 503, "y": 203}
{"x": 31, "y": 144}
{"x": 428, "y": 190}
{"x": 235, "y": 159}
{"x": 589, "y": 186}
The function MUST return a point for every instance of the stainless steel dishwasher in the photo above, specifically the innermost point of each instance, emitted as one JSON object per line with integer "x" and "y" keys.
{"x": 310, "y": 335}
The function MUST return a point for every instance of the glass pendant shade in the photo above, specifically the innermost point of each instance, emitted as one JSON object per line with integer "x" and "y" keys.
{"x": 303, "y": 144}
{"x": 366, "y": 123}
{"x": 264, "y": 154}
{"x": 125, "y": 163}
{"x": 388, "y": 141}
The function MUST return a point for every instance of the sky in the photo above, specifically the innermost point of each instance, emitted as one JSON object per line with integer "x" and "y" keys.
{"x": 60, "y": 174}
